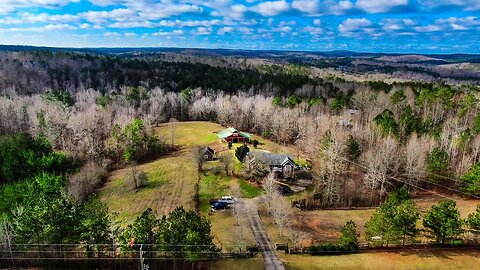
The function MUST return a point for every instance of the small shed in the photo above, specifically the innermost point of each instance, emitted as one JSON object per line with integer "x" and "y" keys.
{"x": 233, "y": 135}
{"x": 208, "y": 154}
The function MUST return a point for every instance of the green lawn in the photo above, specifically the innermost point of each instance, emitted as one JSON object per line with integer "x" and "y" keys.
{"x": 249, "y": 190}
{"x": 190, "y": 134}
{"x": 212, "y": 185}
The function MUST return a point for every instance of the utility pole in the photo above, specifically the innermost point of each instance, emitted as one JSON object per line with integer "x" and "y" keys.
{"x": 141, "y": 258}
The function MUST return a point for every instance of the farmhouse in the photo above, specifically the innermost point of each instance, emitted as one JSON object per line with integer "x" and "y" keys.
{"x": 233, "y": 135}
{"x": 208, "y": 153}
{"x": 280, "y": 164}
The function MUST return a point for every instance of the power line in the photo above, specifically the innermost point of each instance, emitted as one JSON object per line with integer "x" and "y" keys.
{"x": 421, "y": 179}
{"x": 449, "y": 188}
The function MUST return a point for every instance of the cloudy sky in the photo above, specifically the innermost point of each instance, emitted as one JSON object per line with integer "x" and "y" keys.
{"x": 427, "y": 26}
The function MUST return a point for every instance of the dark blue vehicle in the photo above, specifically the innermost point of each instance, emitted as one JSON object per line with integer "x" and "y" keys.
{"x": 219, "y": 205}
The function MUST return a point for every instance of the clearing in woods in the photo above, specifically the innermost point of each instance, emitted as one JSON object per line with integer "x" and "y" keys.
{"x": 172, "y": 180}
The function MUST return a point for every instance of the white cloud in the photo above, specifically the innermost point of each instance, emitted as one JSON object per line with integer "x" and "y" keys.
{"x": 132, "y": 25}
{"x": 271, "y": 8}
{"x": 428, "y": 28}
{"x": 226, "y": 29}
{"x": 200, "y": 31}
{"x": 104, "y": 3}
{"x": 245, "y": 30}
{"x": 8, "y": 6}
{"x": 313, "y": 30}
{"x": 340, "y": 8}
{"x": 317, "y": 22}
{"x": 111, "y": 34}
{"x": 354, "y": 25}
{"x": 467, "y": 5}
{"x": 118, "y": 14}
{"x": 161, "y": 11}
{"x": 177, "y": 32}
{"x": 458, "y": 27}
{"x": 391, "y": 25}
{"x": 40, "y": 29}
{"x": 44, "y": 17}
{"x": 284, "y": 23}
{"x": 459, "y": 24}
{"x": 239, "y": 8}
{"x": 85, "y": 26}
{"x": 379, "y": 6}
{"x": 307, "y": 6}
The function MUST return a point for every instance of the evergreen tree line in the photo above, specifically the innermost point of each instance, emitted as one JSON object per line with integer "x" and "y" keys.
{"x": 38, "y": 213}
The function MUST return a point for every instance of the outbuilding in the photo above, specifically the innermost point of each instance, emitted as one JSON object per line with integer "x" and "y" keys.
{"x": 208, "y": 154}
{"x": 233, "y": 135}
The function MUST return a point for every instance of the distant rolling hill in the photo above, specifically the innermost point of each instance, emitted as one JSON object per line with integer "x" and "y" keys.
{"x": 384, "y": 57}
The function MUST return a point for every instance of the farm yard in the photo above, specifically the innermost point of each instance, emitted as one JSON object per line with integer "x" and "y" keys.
{"x": 172, "y": 182}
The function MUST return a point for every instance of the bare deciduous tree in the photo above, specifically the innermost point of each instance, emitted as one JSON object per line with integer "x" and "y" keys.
{"x": 198, "y": 157}
{"x": 416, "y": 152}
{"x": 138, "y": 178}
{"x": 173, "y": 129}
{"x": 382, "y": 166}
{"x": 81, "y": 184}
{"x": 281, "y": 212}
{"x": 226, "y": 159}
{"x": 270, "y": 186}
{"x": 296, "y": 236}
{"x": 334, "y": 163}
{"x": 239, "y": 212}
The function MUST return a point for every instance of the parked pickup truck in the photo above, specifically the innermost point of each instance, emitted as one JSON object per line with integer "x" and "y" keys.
{"x": 219, "y": 205}
{"x": 228, "y": 199}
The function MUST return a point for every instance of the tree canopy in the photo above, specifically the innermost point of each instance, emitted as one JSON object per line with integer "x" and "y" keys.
{"x": 443, "y": 221}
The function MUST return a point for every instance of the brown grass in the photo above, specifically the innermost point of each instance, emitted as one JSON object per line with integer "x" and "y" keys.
{"x": 171, "y": 179}
{"x": 324, "y": 225}
{"x": 434, "y": 259}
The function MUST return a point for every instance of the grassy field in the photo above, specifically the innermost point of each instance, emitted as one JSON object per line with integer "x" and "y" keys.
{"x": 437, "y": 260}
{"x": 417, "y": 260}
{"x": 323, "y": 225}
{"x": 255, "y": 263}
{"x": 171, "y": 179}
{"x": 171, "y": 182}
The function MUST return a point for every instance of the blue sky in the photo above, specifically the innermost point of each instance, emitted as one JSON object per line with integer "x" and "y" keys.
{"x": 417, "y": 26}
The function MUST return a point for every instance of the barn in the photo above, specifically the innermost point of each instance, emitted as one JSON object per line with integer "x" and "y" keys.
{"x": 233, "y": 135}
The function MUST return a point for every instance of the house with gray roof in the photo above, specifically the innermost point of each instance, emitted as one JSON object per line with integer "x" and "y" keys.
{"x": 282, "y": 165}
